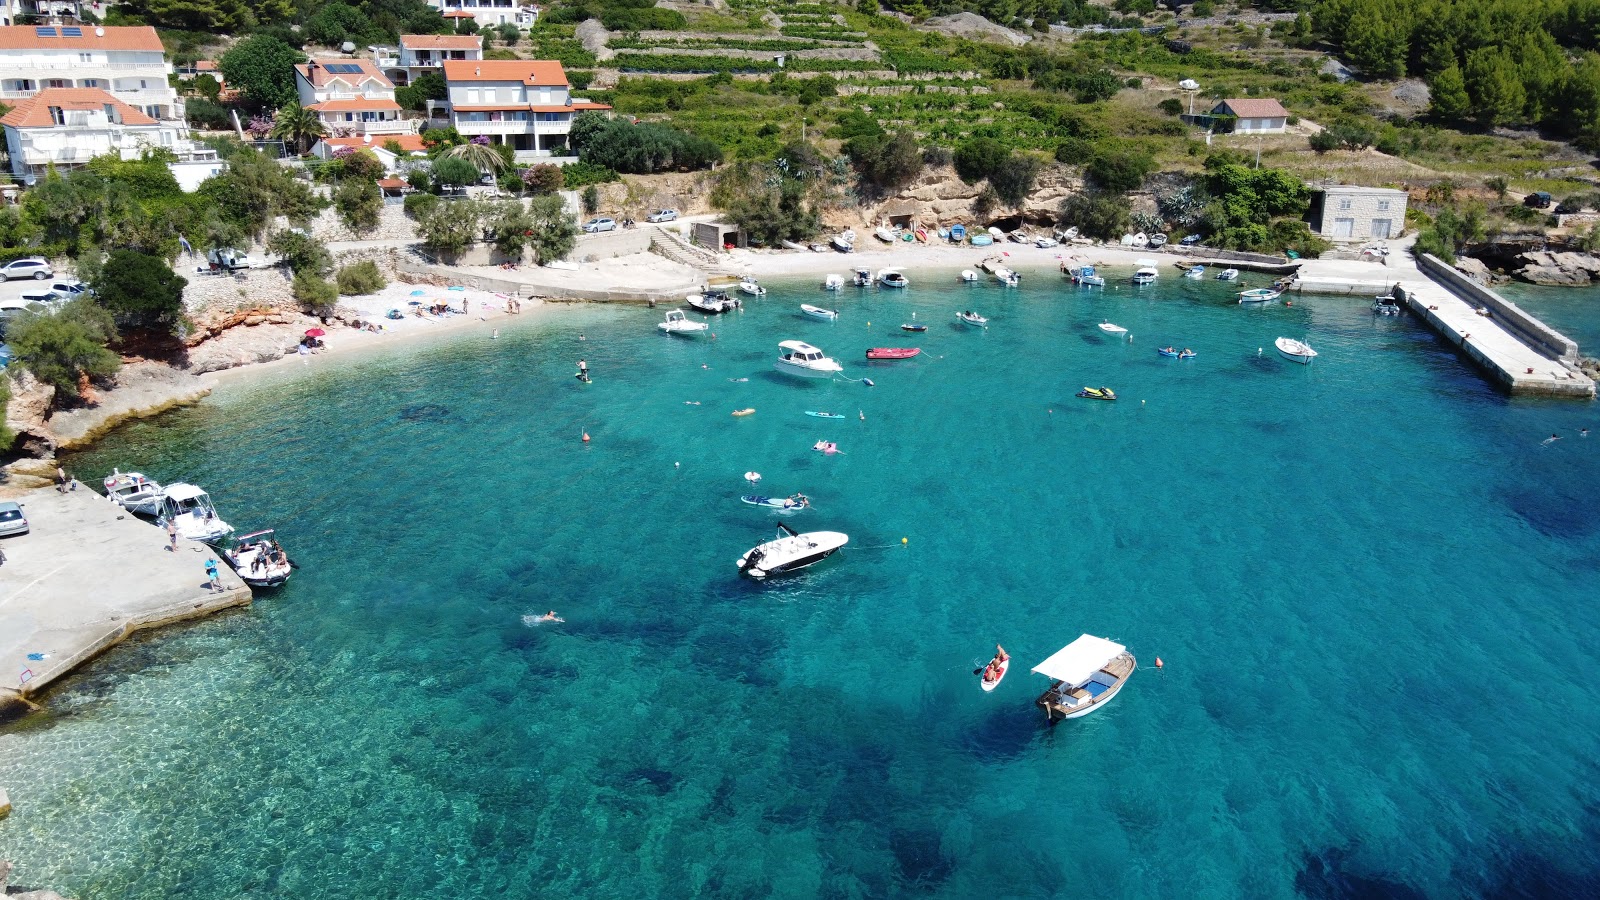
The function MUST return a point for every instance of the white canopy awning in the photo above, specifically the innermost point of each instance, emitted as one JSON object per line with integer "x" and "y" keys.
{"x": 1078, "y": 660}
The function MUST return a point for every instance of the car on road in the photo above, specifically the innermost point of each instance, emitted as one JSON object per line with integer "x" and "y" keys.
{"x": 12, "y": 521}
{"x": 600, "y": 224}
{"x": 228, "y": 258}
{"x": 29, "y": 267}
{"x": 1537, "y": 200}
{"x": 662, "y": 215}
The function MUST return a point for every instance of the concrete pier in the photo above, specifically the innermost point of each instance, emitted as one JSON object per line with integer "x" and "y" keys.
{"x": 86, "y": 576}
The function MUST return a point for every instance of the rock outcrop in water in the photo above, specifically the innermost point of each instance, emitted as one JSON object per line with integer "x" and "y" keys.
{"x": 18, "y": 893}
{"x": 1560, "y": 269}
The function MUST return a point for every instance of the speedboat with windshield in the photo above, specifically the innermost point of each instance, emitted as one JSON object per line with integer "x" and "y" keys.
{"x": 790, "y": 552}
{"x": 134, "y": 492}
{"x": 892, "y": 278}
{"x": 800, "y": 358}
{"x": 190, "y": 509}
{"x": 259, "y": 559}
{"x": 678, "y": 323}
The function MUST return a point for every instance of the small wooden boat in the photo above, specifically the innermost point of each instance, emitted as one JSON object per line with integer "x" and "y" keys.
{"x": 982, "y": 239}
{"x": 922, "y": 234}
{"x": 893, "y": 352}
{"x": 1085, "y": 675}
{"x": 1069, "y": 234}
{"x": 1109, "y": 328}
{"x": 913, "y": 326}
{"x": 133, "y": 492}
{"x": 844, "y": 241}
{"x": 883, "y": 234}
{"x": 744, "y": 412}
{"x": 969, "y": 276}
{"x": 817, "y": 312}
{"x": 1259, "y": 295}
{"x": 1158, "y": 241}
{"x": 1295, "y": 351}
{"x": 972, "y": 318}
{"x": 958, "y": 233}
{"x": 1099, "y": 393}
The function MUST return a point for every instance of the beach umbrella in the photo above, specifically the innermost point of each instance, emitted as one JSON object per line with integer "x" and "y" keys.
{"x": 418, "y": 293}
{"x": 456, "y": 287}
{"x": 416, "y": 303}
{"x": 315, "y": 332}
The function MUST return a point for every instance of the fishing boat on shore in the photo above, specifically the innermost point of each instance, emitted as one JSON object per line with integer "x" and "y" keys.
{"x": 892, "y": 352}
{"x": 844, "y": 241}
{"x": 678, "y": 323}
{"x": 817, "y": 312}
{"x": 800, "y": 358}
{"x": 892, "y": 278}
{"x": 833, "y": 282}
{"x": 1157, "y": 241}
{"x": 790, "y": 552}
{"x": 972, "y": 318}
{"x": 191, "y": 511}
{"x": 134, "y": 492}
{"x": 958, "y": 233}
{"x": 259, "y": 559}
{"x": 1295, "y": 351}
{"x": 883, "y": 234}
{"x": 1085, "y": 675}
{"x": 1259, "y": 295}
{"x": 982, "y": 239}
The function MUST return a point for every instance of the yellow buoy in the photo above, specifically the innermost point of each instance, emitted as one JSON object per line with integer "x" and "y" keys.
{"x": 902, "y": 542}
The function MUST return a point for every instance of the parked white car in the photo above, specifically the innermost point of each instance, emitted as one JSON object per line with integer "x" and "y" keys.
{"x": 69, "y": 289}
{"x": 30, "y": 267}
{"x": 228, "y": 258}
{"x": 662, "y": 215}
{"x": 601, "y": 224}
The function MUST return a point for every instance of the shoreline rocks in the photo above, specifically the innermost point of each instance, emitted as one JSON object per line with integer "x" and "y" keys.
{"x": 1558, "y": 269}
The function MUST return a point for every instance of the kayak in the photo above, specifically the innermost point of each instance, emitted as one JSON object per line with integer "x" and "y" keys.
{"x": 991, "y": 685}
{"x": 823, "y": 415}
{"x": 893, "y": 352}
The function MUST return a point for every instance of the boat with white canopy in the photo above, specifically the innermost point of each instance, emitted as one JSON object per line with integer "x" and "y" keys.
{"x": 134, "y": 492}
{"x": 190, "y": 509}
{"x": 1085, "y": 675}
{"x": 678, "y": 323}
{"x": 800, "y": 358}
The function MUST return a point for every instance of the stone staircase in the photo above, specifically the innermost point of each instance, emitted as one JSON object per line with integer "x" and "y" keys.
{"x": 675, "y": 248}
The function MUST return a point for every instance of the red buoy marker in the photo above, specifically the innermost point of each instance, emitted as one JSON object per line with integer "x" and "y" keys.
{"x": 586, "y": 437}
{"x": 1159, "y": 664}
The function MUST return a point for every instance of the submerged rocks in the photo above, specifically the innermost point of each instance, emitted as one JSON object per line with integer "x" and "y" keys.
{"x": 18, "y": 893}
{"x": 1560, "y": 269}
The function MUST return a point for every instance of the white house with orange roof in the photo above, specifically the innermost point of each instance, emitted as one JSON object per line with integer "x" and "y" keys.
{"x": 527, "y": 104}
{"x": 390, "y": 149}
{"x": 350, "y": 96}
{"x": 127, "y": 62}
{"x": 423, "y": 53}
{"x": 488, "y": 13}
{"x": 1253, "y": 116}
{"x": 63, "y": 128}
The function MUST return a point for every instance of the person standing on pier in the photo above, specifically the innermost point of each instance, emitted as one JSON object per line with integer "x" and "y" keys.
{"x": 172, "y": 536}
{"x": 215, "y": 577}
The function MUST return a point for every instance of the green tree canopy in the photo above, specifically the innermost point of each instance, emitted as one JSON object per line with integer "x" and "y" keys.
{"x": 553, "y": 234}
{"x": 261, "y": 67}
{"x": 141, "y": 291}
{"x": 1449, "y": 100}
{"x": 58, "y": 347}
{"x": 1492, "y": 81}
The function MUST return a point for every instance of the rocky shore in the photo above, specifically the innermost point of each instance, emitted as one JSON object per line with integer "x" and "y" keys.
{"x": 1560, "y": 269}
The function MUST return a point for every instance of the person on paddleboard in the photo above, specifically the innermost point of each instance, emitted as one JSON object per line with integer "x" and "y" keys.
{"x": 583, "y": 370}
{"x": 993, "y": 671}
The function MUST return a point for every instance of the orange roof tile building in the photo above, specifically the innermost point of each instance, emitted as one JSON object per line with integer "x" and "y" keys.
{"x": 526, "y": 104}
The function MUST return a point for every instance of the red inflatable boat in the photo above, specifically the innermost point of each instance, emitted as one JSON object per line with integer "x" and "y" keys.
{"x": 893, "y": 352}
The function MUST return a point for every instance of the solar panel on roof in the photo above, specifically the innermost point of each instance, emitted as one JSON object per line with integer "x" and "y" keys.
{"x": 342, "y": 68}
{"x": 71, "y": 31}
{"x": 45, "y": 31}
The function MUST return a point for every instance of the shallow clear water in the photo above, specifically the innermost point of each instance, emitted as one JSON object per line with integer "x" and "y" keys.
{"x": 1367, "y": 578}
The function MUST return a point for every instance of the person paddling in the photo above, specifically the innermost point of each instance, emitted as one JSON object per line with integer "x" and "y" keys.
{"x": 995, "y": 668}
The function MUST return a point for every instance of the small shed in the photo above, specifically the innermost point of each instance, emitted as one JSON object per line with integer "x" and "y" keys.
{"x": 1266, "y": 116}
{"x": 902, "y": 213}
{"x": 1353, "y": 212}
{"x": 717, "y": 235}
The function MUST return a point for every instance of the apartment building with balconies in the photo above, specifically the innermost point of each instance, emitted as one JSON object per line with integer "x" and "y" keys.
{"x": 350, "y": 96}
{"x": 527, "y": 104}
{"x": 488, "y": 13}
{"x": 127, "y": 62}
{"x": 420, "y": 54}
{"x": 62, "y": 128}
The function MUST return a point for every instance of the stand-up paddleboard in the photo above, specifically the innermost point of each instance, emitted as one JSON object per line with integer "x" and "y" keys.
{"x": 823, "y": 415}
{"x": 781, "y": 504}
{"x": 991, "y": 685}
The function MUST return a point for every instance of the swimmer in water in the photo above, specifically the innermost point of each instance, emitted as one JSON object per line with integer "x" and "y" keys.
{"x": 1550, "y": 440}
{"x": 691, "y": 403}
{"x": 549, "y": 617}
{"x": 737, "y": 380}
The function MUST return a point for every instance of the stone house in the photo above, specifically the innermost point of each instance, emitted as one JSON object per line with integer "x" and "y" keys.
{"x": 1352, "y": 212}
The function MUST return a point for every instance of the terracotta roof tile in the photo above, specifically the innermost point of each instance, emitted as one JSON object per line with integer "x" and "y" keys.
{"x": 110, "y": 37}
{"x": 1255, "y": 109}
{"x": 539, "y": 72}
{"x": 410, "y": 143}
{"x": 441, "y": 41}
{"x": 321, "y": 77}
{"x": 34, "y": 112}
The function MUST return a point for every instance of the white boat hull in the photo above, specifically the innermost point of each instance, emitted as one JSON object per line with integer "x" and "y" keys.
{"x": 806, "y": 371}
{"x": 1295, "y": 351}
{"x": 791, "y": 553}
{"x": 817, "y": 312}
{"x": 1099, "y": 703}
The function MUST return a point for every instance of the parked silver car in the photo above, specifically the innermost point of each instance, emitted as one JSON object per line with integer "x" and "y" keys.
{"x": 30, "y": 267}
{"x": 12, "y": 521}
{"x": 601, "y": 224}
{"x": 662, "y": 215}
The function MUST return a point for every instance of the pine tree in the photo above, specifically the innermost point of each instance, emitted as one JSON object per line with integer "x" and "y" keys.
{"x": 1495, "y": 87}
{"x": 1376, "y": 43}
{"x": 1450, "y": 100}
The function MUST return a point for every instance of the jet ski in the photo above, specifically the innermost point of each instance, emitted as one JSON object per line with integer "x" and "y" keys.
{"x": 1099, "y": 393}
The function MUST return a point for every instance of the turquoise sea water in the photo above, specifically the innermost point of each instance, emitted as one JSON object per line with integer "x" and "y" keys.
{"x": 1370, "y": 584}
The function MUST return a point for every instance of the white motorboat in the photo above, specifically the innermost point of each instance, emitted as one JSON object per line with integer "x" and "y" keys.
{"x": 1085, "y": 675}
{"x": 1069, "y": 234}
{"x": 1005, "y": 275}
{"x": 1157, "y": 241}
{"x": 1109, "y": 328}
{"x": 883, "y": 234}
{"x": 1195, "y": 272}
{"x": 800, "y": 358}
{"x": 712, "y": 302}
{"x": 678, "y": 323}
{"x": 133, "y": 492}
{"x": 1259, "y": 295}
{"x": 190, "y": 509}
{"x": 1146, "y": 275}
{"x": 1046, "y": 243}
{"x": 748, "y": 285}
{"x": 863, "y": 278}
{"x": 969, "y": 276}
{"x": 833, "y": 282}
{"x": 818, "y": 312}
{"x": 892, "y": 278}
{"x": 1228, "y": 275}
{"x": 1084, "y": 276}
{"x": 259, "y": 559}
{"x": 1140, "y": 241}
{"x": 1387, "y": 305}
{"x": 1020, "y": 236}
{"x": 972, "y": 318}
{"x": 1295, "y": 351}
{"x": 790, "y": 552}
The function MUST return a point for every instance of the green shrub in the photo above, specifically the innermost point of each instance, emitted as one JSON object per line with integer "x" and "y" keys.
{"x": 315, "y": 293}
{"x": 358, "y": 204}
{"x": 58, "y": 347}
{"x": 360, "y": 278}
{"x": 418, "y": 205}
{"x": 1172, "y": 106}
{"x": 581, "y": 174}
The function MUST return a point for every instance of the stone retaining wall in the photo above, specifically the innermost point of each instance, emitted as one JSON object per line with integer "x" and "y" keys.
{"x": 1527, "y": 328}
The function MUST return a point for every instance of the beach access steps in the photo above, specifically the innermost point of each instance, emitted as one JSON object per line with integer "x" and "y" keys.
{"x": 671, "y": 245}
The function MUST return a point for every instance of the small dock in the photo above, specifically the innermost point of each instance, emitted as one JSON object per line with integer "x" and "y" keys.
{"x": 86, "y": 576}
{"x": 1515, "y": 349}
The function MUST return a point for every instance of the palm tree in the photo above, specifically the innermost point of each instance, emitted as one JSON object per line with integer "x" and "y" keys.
{"x": 297, "y": 125}
{"x": 484, "y": 156}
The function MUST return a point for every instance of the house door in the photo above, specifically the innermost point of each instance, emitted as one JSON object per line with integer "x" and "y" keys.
{"x": 1380, "y": 228}
{"x": 1343, "y": 228}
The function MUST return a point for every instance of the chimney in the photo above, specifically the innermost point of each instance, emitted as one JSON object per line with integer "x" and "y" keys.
{"x": 478, "y": 70}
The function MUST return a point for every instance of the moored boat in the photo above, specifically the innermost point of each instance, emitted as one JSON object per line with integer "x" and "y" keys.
{"x": 712, "y": 302}
{"x": 259, "y": 559}
{"x": 892, "y": 278}
{"x": 800, "y": 358}
{"x": 833, "y": 282}
{"x": 749, "y": 285}
{"x": 1084, "y": 276}
{"x": 1145, "y": 275}
{"x": 1085, "y": 675}
{"x": 817, "y": 312}
{"x": 1387, "y": 305}
{"x": 1259, "y": 295}
{"x": 969, "y": 276}
{"x": 972, "y": 318}
{"x": 133, "y": 492}
{"x": 190, "y": 509}
{"x": 678, "y": 323}
{"x": 892, "y": 352}
{"x": 1295, "y": 351}
{"x": 1195, "y": 272}
{"x": 1109, "y": 328}
{"x": 862, "y": 278}
{"x": 1005, "y": 275}
{"x": 913, "y": 326}
{"x": 1228, "y": 275}
{"x": 1175, "y": 353}
{"x": 790, "y": 552}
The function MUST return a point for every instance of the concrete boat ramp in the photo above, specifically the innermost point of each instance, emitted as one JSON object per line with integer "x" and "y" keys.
{"x": 1515, "y": 349}
{"x": 86, "y": 576}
